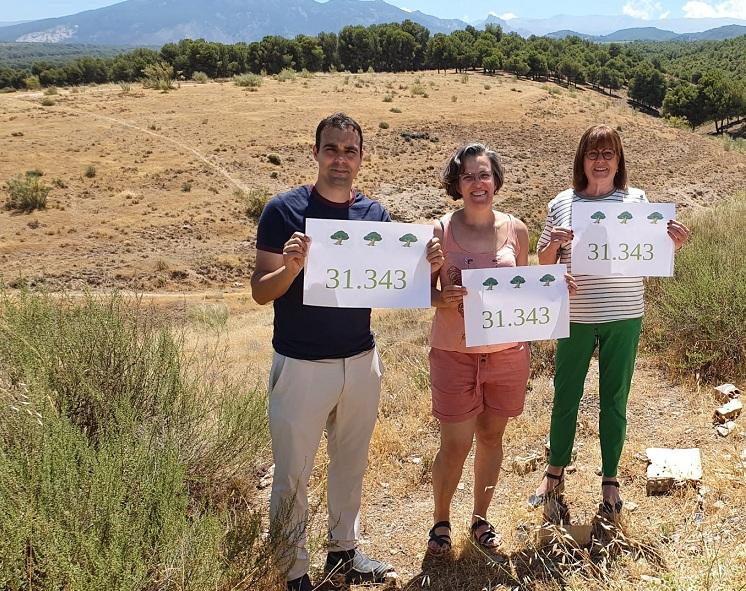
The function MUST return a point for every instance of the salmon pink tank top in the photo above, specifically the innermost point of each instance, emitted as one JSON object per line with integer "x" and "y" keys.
{"x": 448, "y": 331}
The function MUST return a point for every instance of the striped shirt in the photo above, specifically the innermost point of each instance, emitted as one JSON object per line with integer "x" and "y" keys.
{"x": 600, "y": 298}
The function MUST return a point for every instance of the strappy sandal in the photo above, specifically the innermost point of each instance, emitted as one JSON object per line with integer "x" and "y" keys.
{"x": 442, "y": 540}
{"x": 537, "y": 500}
{"x": 489, "y": 540}
{"x": 606, "y": 506}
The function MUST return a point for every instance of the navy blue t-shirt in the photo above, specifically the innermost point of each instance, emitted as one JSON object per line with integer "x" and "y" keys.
{"x": 314, "y": 332}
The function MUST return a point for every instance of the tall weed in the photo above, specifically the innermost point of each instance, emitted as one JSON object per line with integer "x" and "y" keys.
{"x": 696, "y": 321}
{"x": 122, "y": 458}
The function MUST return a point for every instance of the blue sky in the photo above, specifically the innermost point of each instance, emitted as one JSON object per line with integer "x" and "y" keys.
{"x": 477, "y": 9}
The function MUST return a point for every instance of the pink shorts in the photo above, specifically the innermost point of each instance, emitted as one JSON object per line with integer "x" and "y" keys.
{"x": 464, "y": 385}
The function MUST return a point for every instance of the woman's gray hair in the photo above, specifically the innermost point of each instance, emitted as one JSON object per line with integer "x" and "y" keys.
{"x": 449, "y": 177}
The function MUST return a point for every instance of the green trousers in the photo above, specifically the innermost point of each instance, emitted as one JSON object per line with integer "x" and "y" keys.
{"x": 617, "y": 348}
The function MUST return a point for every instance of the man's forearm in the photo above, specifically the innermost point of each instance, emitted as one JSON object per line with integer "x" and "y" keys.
{"x": 267, "y": 286}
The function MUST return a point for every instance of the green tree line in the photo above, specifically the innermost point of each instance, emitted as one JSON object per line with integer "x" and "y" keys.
{"x": 711, "y": 91}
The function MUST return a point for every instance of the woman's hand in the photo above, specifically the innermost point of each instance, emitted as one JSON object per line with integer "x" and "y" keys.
{"x": 561, "y": 236}
{"x": 435, "y": 254}
{"x": 572, "y": 287}
{"x": 452, "y": 295}
{"x": 678, "y": 232}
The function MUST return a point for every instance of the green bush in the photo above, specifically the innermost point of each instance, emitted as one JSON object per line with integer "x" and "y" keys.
{"x": 120, "y": 455}
{"x": 387, "y": 98}
{"x": 26, "y": 193}
{"x": 251, "y": 81}
{"x": 695, "y": 321}
{"x": 254, "y": 200}
{"x": 47, "y": 101}
{"x": 90, "y": 171}
{"x": 32, "y": 82}
{"x": 50, "y": 91}
{"x": 158, "y": 76}
{"x": 200, "y": 77}
{"x": 383, "y": 125}
{"x": 186, "y": 186}
{"x": 286, "y": 74}
{"x": 417, "y": 89}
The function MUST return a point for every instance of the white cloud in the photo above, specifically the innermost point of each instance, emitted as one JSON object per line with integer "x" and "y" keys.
{"x": 727, "y": 9}
{"x": 645, "y": 9}
{"x": 405, "y": 9}
{"x": 506, "y": 16}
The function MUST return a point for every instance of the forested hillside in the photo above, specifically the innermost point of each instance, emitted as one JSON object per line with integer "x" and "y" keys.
{"x": 696, "y": 82}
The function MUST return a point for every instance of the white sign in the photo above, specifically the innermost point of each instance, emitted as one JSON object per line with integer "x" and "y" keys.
{"x": 357, "y": 264}
{"x": 516, "y": 304}
{"x": 623, "y": 239}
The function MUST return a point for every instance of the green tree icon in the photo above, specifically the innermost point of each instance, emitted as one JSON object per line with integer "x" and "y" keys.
{"x": 408, "y": 239}
{"x": 598, "y": 216}
{"x": 489, "y": 283}
{"x": 339, "y": 236}
{"x": 655, "y": 217}
{"x": 624, "y": 217}
{"x": 372, "y": 238}
{"x": 547, "y": 279}
{"x": 517, "y": 281}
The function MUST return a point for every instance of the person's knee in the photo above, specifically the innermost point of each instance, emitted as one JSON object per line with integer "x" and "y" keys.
{"x": 454, "y": 452}
{"x": 491, "y": 437}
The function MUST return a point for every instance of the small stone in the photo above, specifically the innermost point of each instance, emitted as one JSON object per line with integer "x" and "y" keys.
{"x": 630, "y": 506}
{"x": 415, "y": 460}
{"x": 571, "y": 469}
{"x": 650, "y": 579}
{"x": 726, "y": 428}
{"x": 719, "y": 505}
{"x": 238, "y": 284}
{"x": 460, "y": 486}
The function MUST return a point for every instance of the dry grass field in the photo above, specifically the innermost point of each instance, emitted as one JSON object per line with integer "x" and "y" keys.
{"x": 164, "y": 213}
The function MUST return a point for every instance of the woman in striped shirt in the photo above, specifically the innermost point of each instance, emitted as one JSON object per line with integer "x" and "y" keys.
{"x": 606, "y": 312}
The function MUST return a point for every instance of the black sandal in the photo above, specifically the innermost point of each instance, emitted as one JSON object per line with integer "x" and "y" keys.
{"x": 537, "y": 500}
{"x": 442, "y": 540}
{"x": 606, "y": 506}
{"x": 489, "y": 540}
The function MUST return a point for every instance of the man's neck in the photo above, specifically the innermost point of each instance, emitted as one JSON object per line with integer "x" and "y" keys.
{"x": 334, "y": 194}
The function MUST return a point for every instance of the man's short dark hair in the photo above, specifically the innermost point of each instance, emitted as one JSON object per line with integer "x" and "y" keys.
{"x": 340, "y": 121}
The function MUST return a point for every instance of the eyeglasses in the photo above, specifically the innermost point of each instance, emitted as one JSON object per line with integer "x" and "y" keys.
{"x": 482, "y": 177}
{"x": 596, "y": 154}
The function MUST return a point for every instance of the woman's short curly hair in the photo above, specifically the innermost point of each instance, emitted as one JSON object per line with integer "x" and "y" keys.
{"x": 449, "y": 177}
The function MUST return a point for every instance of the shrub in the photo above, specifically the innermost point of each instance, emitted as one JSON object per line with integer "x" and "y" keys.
{"x": 186, "y": 186}
{"x": 274, "y": 159}
{"x": 50, "y": 91}
{"x": 47, "y": 101}
{"x": 383, "y": 125}
{"x": 731, "y": 144}
{"x": 464, "y": 78}
{"x": 158, "y": 76}
{"x": 254, "y": 201}
{"x": 200, "y": 77}
{"x": 90, "y": 171}
{"x": 395, "y": 110}
{"x": 125, "y": 87}
{"x": 120, "y": 462}
{"x": 417, "y": 89}
{"x": 454, "y": 98}
{"x": 34, "y": 172}
{"x": 26, "y": 193}
{"x": 250, "y": 81}
{"x": 696, "y": 321}
{"x": 32, "y": 82}
{"x": 286, "y": 74}
{"x": 210, "y": 316}
{"x": 387, "y": 98}
{"x": 305, "y": 74}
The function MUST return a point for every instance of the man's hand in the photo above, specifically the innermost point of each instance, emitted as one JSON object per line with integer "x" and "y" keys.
{"x": 294, "y": 252}
{"x": 435, "y": 254}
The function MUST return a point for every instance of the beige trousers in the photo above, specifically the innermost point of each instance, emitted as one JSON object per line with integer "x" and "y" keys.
{"x": 305, "y": 397}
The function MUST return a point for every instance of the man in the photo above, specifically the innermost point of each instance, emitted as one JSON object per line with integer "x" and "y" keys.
{"x": 326, "y": 371}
